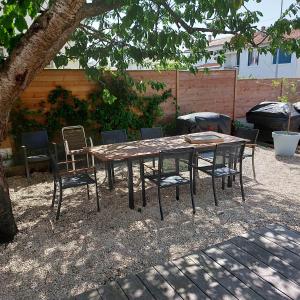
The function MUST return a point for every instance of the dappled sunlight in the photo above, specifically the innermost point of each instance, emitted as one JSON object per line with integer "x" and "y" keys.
{"x": 84, "y": 249}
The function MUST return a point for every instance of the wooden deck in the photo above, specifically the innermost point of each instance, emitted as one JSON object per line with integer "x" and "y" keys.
{"x": 264, "y": 264}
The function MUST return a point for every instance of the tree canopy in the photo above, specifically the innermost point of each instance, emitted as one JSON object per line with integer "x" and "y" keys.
{"x": 146, "y": 31}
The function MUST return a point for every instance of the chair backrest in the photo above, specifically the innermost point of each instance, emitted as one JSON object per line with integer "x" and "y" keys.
{"x": 247, "y": 133}
{"x": 114, "y": 136}
{"x": 151, "y": 133}
{"x": 35, "y": 140}
{"x": 228, "y": 154}
{"x": 75, "y": 137}
{"x": 172, "y": 158}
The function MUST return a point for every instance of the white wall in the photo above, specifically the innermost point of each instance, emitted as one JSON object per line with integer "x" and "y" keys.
{"x": 266, "y": 68}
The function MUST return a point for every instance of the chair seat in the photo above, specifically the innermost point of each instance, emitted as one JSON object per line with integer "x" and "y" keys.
{"x": 38, "y": 158}
{"x": 168, "y": 180}
{"x": 76, "y": 180}
{"x": 247, "y": 155}
{"x": 207, "y": 156}
{"x": 218, "y": 172}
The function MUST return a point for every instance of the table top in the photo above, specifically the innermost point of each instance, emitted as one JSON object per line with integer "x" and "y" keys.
{"x": 148, "y": 148}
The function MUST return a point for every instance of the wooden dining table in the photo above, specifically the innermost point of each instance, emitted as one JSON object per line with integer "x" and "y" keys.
{"x": 136, "y": 150}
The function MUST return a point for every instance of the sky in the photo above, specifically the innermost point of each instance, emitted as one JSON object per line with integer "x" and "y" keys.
{"x": 270, "y": 9}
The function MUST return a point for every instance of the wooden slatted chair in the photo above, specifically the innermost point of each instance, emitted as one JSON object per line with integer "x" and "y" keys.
{"x": 75, "y": 142}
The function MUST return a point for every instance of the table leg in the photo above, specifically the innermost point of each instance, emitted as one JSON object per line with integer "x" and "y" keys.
{"x": 130, "y": 184}
{"x": 109, "y": 175}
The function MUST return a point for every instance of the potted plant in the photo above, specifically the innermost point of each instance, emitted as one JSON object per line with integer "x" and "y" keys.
{"x": 286, "y": 142}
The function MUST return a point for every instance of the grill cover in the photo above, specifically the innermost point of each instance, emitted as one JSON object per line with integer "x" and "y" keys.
{"x": 274, "y": 116}
{"x": 203, "y": 121}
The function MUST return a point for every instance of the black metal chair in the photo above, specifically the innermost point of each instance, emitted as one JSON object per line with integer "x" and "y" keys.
{"x": 35, "y": 147}
{"x": 151, "y": 133}
{"x": 173, "y": 176}
{"x": 251, "y": 135}
{"x": 112, "y": 137}
{"x": 227, "y": 163}
{"x": 65, "y": 177}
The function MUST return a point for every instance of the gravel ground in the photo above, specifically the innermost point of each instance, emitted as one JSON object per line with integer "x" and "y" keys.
{"x": 84, "y": 249}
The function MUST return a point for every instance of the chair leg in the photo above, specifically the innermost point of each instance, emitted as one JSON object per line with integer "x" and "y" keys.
{"x": 253, "y": 167}
{"x": 233, "y": 177}
{"x": 88, "y": 191}
{"x": 214, "y": 191}
{"x": 73, "y": 162}
{"x": 113, "y": 172}
{"x": 59, "y": 203}
{"x": 192, "y": 197}
{"x": 27, "y": 170}
{"x": 159, "y": 202}
{"x": 242, "y": 186}
{"x": 142, "y": 174}
{"x": 223, "y": 183}
{"x": 109, "y": 176}
{"x": 54, "y": 195}
{"x": 195, "y": 171}
{"x": 177, "y": 192}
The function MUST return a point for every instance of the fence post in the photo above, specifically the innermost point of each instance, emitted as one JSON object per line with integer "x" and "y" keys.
{"x": 234, "y": 94}
{"x": 177, "y": 90}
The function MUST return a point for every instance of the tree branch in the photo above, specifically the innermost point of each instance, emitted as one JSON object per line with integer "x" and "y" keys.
{"x": 97, "y": 7}
{"x": 189, "y": 29}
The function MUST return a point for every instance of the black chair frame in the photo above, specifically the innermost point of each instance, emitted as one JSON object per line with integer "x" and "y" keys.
{"x": 251, "y": 135}
{"x": 231, "y": 165}
{"x": 69, "y": 178}
{"x": 164, "y": 179}
{"x": 112, "y": 137}
{"x": 36, "y": 148}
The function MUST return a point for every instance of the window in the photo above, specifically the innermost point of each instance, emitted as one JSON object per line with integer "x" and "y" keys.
{"x": 284, "y": 58}
{"x": 238, "y": 58}
{"x": 253, "y": 57}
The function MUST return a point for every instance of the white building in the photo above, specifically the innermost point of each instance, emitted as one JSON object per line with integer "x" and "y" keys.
{"x": 251, "y": 64}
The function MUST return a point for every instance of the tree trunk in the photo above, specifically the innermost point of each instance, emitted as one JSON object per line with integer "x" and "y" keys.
{"x": 8, "y": 227}
{"x": 45, "y": 37}
{"x": 39, "y": 45}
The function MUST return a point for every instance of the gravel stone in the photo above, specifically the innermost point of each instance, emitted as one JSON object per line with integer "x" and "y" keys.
{"x": 55, "y": 259}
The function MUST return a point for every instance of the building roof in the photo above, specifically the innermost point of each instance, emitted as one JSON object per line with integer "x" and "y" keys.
{"x": 220, "y": 42}
{"x": 259, "y": 38}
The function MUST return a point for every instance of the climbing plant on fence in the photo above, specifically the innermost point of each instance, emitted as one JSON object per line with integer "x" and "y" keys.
{"x": 117, "y": 102}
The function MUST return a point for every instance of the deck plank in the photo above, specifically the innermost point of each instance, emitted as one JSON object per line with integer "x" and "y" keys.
{"x": 226, "y": 279}
{"x": 286, "y": 232}
{"x": 268, "y": 258}
{"x": 270, "y": 275}
{"x": 259, "y": 285}
{"x": 183, "y": 285}
{"x": 276, "y": 238}
{"x": 202, "y": 279}
{"x": 263, "y": 264}
{"x": 111, "y": 291}
{"x": 134, "y": 288}
{"x": 286, "y": 255}
{"x": 157, "y": 285}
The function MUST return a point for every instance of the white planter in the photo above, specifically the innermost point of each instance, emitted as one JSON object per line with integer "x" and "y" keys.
{"x": 285, "y": 144}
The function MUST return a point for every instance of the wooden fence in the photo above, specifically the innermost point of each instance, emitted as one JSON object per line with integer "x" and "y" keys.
{"x": 217, "y": 91}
